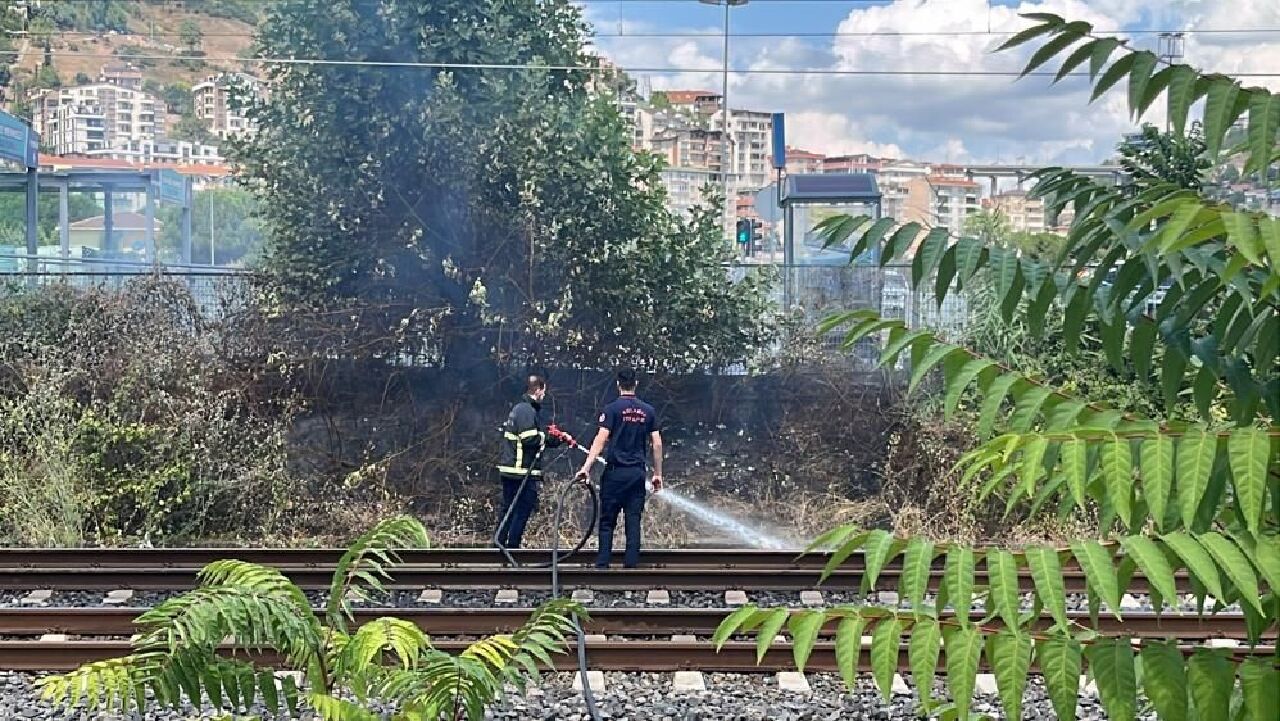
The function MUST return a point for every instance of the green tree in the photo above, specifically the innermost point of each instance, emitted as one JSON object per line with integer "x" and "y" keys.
{"x": 191, "y": 128}
{"x": 1156, "y": 157}
{"x": 237, "y": 231}
{"x": 352, "y": 674}
{"x": 1194, "y": 507}
{"x": 482, "y": 210}
{"x": 191, "y": 36}
{"x": 13, "y": 212}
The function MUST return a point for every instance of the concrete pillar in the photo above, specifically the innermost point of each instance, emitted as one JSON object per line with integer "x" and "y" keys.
{"x": 149, "y": 238}
{"x": 33, "y": 217}
{"x": 64, "y": 225}
{"x": 186, "y": 225}
{"x": 108, "y": 224}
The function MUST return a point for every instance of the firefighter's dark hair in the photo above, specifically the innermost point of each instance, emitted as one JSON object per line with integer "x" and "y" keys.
{"x": 627, "y": 379}
{"x": 535, "y": 383}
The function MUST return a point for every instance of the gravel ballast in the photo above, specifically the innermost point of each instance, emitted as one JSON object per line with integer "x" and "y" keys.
{"x": 637, "y": 697}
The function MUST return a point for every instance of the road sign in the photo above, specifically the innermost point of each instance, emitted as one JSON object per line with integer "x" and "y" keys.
{"x": 779, "y": 141}
{"x": 171, "y": 187}
{"x": 18, "y": 142}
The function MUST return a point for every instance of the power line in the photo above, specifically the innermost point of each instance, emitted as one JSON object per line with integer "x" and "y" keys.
{"x": 744, "y": 35}
{"x": 586, "y": 68}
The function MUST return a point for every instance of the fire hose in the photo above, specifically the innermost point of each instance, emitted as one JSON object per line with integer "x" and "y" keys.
{"x": 588, "y": 694}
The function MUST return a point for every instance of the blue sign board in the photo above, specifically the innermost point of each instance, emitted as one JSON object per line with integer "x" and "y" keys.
{"x": 18, "y": 142}
{"x": 171, "y": 187}
{"x": 779, "y": 140}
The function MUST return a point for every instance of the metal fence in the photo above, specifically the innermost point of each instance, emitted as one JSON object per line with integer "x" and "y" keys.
{"x": 805, "y": 293}
{"x": 209, "y": 285}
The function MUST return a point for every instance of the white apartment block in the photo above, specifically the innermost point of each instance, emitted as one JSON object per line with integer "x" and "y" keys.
{"x": 894, "y": 180}
{"x": 87, "y": 118}
{"x": 750, "y": 136}
{"x": 221, "y": 102}
{"x": 953, "y": 199}
{"x": 163, "y": 152}
{"x": 684, "y": 187}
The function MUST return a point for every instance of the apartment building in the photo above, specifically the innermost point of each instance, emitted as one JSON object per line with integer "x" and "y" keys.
{"x": 121, "y": 75}
{"x": 750, "y": 134}
{"x": 160, "y": 152}
{"x": 1024, "y": 213}
{"x": 941, "y": 200}
{"x": 857, "y": 163}
{"x": 803, "y": 162}
{"x": 88, "y": 118}
{"x": 691, "y": 147}
{"x": 893, "y": 180}
{"x": 222, "y": 102}
{"x": 684, "y": 187}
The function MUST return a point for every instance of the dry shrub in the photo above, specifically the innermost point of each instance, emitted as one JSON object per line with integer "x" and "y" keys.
{"x": 121, "y": 419}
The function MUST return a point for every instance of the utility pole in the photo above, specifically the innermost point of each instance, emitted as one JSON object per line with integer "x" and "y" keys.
{"x": 1171, "y": 51}
{"x": 726, "y": 161}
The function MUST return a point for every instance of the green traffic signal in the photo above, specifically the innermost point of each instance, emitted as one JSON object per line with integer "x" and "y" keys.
{"x": 744, "y": 231}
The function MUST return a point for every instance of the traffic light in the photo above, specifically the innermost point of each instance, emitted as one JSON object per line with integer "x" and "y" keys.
{"x": 744, "y": 231}
{"x": 757, "y": 234}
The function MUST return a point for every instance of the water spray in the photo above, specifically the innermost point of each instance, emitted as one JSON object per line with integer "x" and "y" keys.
{"x": 732, "y": 526}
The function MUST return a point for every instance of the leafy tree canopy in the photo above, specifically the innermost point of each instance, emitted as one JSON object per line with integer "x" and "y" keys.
{"x": 489, "y": 211}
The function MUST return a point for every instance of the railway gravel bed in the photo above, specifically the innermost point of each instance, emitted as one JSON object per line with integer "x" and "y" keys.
{"x": 635, "y": 697}
{"x": 601, "y": 599}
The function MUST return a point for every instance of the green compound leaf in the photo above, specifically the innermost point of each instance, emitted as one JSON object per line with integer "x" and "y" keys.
{"x": 1111, "y": 663}
{"x": 964, "y": 652}
{"x": 923, "y": 653}
{"x": 1046, "y": 572}
{"x": 1009, "y": 653}
{"x": 1164, "y": 678}
{"x": 884, "y": 653}
{"x": 1099, "y": 571}
{"x": 1210, "y": 678}
{"x": 849, "y": 648}
{"x": 1059, "y": 661}
{"x": 1249, "y": 453}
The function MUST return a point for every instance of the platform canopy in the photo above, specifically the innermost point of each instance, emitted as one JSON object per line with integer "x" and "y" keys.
{"x": 830, "y": 188}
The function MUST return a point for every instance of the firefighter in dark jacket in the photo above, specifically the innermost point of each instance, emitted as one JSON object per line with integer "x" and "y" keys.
{"x": 525, "y": 437}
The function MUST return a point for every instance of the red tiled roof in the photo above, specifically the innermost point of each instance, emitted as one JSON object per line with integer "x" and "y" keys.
{"x": 684, "y": 97}
{"x": 952, "y": 180}
{"x": 66, "y": 162}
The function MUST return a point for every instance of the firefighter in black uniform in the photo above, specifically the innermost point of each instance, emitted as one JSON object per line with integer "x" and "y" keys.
{"x": 630, "y": 428}
{"x": 525, "y": 437}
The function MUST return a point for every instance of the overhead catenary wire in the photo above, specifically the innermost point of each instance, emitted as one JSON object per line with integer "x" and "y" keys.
{"x": 443, "y": 65}
{"x": 737, "y": 34}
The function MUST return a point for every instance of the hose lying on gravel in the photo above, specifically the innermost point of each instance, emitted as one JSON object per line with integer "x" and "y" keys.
{"x": 554, "y": 563}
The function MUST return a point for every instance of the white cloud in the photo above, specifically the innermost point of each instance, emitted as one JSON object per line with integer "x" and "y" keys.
{"x": 834, "y": 134}
{"x": 959, "y": 117}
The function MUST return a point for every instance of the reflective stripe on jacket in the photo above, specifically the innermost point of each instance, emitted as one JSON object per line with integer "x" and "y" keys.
{"x": 523, "y": 437}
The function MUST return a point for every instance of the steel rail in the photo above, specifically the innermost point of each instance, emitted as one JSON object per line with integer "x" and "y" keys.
{"x": 606, "y": 621}
{"x": 328, "y": 557}
{"x": 651, "y": 656}
{"x": 415, "y": 576}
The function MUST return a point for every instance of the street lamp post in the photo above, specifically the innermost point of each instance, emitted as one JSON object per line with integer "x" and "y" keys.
{"x": 725, "y": 160}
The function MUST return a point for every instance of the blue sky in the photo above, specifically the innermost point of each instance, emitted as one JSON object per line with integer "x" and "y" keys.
{"x": 977, "y": 119}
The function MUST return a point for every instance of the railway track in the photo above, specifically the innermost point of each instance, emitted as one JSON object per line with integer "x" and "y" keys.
{"x": 623, "y": 639}
{"x": 455, "y": 568}
{"x": 604, "y": 621}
